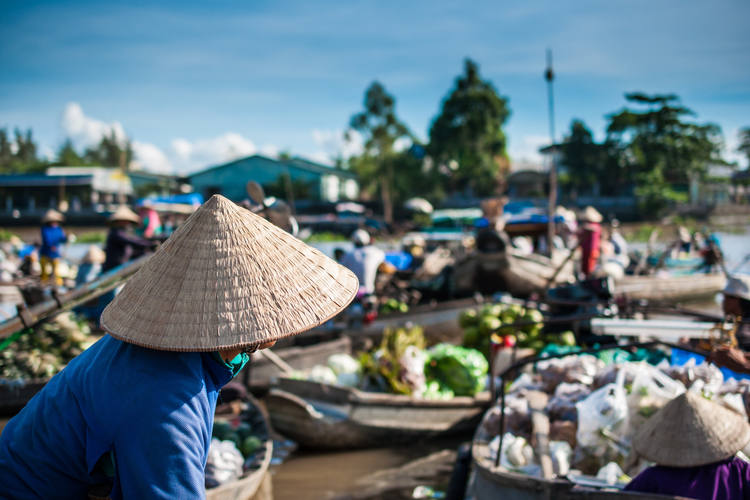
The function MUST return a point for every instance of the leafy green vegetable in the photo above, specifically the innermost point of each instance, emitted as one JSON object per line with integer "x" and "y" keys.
{"x": 459, "y": 369}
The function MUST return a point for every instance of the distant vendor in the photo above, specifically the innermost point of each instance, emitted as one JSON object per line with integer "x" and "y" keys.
{"x": 693, "y": 442}
{"x": 122, "y": 244}
{"x": 364, "y": 261}
{"x": 49, "y": 254}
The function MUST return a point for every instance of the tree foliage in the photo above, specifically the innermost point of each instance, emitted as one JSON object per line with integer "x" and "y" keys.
{"x": 660, "y": 148}
{"x": 467, "y": 136}
{"x": 583, "y": 159}
{"x": 110, "y": 152}
{"x": 744, "y": 146}
{"x": 381, "y": 129}
{"x": 19, "y": 155}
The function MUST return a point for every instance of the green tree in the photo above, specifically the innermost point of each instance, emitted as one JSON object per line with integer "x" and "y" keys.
{"x": 110, "y": 153}
{"x": 467, "y": 136}
{"x": 662, "y": 151}
{"x": 744, "y": 146}
{"x": 68, "y": 156}
{"x": 583, "y": 161}
{"x": 380, "y": 129}
{"x": 20, "y": 154}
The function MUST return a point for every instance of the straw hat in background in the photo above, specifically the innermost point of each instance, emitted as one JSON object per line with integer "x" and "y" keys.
{"x": 590, "y": 214}
{"x": 690, "y": 431}
{"x": 124, "y": 214}
{"x": 738, "y": 286}
{"x": 94, "y": 255}
{"x": 52, "y": 216}
{"x": 227, "y": 279}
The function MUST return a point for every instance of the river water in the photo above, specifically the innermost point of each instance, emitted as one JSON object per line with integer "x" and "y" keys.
{"x": 310, "y": 475}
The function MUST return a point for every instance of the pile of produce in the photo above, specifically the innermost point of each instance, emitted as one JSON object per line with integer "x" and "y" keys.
{"x": 235, "y": 449}
{"x": 595, "y": 407}
{"x": 402, "y": 365}
{"x": 494, "y": 321}
{"x": 45, "y": 350}
{"x": 393, "y": 306}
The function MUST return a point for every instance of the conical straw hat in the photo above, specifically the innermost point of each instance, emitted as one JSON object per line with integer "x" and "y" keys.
{"x": 227, "y": 278}
{"x": 690, "y": 431}
{"x": 123, "y": 213}
{"x": 52, "y": 216}
{"x": 94, "y": 255}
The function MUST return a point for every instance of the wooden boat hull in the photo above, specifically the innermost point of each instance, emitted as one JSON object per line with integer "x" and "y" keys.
{"x": 256, "y": 484}
{"x": 670, "y": 288}
{"x": 15, "y": 394}
{"x": 518, "y": 274}
{"x": 490, "y": 483}
{"x": 329, "y": 417}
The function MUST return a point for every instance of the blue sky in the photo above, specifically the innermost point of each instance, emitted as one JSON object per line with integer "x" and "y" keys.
{"x": 194, "y": 83}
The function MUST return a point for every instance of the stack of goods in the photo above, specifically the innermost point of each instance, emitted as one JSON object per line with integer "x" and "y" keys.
{"x": 236, "y": 448}
{"x": 402, "y": 365}
{"x": 495, "y": 322}
{"x": 393, "y": 306}
{"x": 595, "y": 407}
{"x": 45, "y": 350}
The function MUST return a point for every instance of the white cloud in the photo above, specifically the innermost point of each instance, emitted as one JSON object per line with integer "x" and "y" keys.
{"x": 149, "y": 157}
{"x": 182, "y": 156}
{"x": 334, "y": 143}
{"x": 86, "y": 131}
{"x": 190, "y": 156}
{"x": 730, "y": 153}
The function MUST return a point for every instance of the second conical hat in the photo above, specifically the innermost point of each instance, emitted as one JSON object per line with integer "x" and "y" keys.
{"x": 52, "y": 216}
{"x": 227, "y": 279}
{"x": 690, "y": 431}
{"x": 123, "y": 213}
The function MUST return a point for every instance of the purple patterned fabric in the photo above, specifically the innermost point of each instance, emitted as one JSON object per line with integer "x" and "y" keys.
{"x": 725, "y": 480}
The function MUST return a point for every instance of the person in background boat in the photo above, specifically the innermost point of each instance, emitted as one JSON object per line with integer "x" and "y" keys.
{"x": 49, "y": 254}
{"x": 589, "y": 236}
{"x": 694, "y": 443}
{"x": 614, "y": 252}
{"x": 150, "y": 223}
{"x": 416, "y": 249}
{"x": 91, "y": 265}
{"x": 122, "y": 245}
{"x": 338, "y": 254}
{"x": 132, "y": 416}
{"x": 712, "y": 255}
{"x": 365, "y": 260}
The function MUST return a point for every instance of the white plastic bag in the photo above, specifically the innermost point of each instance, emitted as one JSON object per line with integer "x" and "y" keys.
{"x": 561, "y": 454}
{"x": 224, "y": 463}
{"x": 322, "y": 374}
{"x": 611, "y": 473}
{"x": 343, "y": 363}
{"x": 604, "y": 409}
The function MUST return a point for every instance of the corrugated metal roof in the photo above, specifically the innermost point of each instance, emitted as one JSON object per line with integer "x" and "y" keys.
{"x": 295, "y": 162}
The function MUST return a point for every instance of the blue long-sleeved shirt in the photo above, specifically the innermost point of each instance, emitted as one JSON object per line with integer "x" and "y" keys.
{"x": 152, "y": 409}
{"x": 52, "y": 237}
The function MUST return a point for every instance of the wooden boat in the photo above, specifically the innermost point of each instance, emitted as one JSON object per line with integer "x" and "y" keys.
{"x": 490, "y": 482}
{"x": 256, "y": 483}
{"x": 331, "y": 417}
{"x": 511, "y": 271}
{"x": 656, "y": 288}
{"x": 14, "y": 394}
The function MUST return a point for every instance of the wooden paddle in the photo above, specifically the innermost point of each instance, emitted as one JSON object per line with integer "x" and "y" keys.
{"x": 277, "y": 361}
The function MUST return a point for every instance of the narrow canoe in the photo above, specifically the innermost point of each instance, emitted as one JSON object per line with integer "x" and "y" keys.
{"x": 324, "y": 416}
{"x": 655, "y": 288}
{"x": 255, "y": 484}
{"x": 490, "y": 482}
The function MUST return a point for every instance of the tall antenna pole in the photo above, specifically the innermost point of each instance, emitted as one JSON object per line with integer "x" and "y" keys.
{"x": 549, "y": 75}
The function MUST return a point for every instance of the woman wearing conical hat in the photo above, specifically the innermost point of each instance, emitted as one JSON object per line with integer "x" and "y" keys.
{"x": 136, "y": 409}
{"x": 122, "y": 244}
{"x": 694, "y": 441}
{"x": 53, "y": 237}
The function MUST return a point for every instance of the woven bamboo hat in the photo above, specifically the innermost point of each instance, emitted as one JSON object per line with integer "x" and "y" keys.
{"x": 690, "y": 431}
{"x": 590, "y": 214}
{"x": 52, "y": 216}
{"x": 225, "y": 279}
{"x": 123, "y": 213}
{"x": 94, "y": 255}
